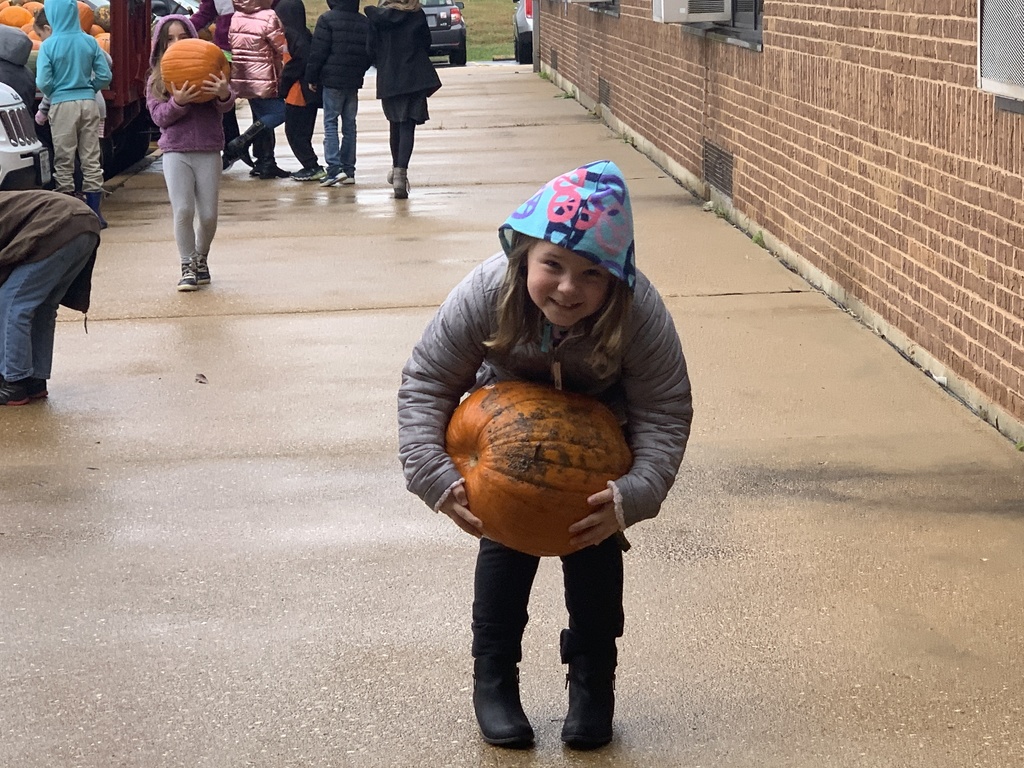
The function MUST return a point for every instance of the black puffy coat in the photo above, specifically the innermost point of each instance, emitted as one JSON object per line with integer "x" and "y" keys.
{"x": 338, "y": 56}
{"x": 400, "y": 48}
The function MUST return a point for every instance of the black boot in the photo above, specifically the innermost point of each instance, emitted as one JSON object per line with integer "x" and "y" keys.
{"x": 496, "y": 703}
{"x": 238, "y": 147}
{"x": 591, "y": 684}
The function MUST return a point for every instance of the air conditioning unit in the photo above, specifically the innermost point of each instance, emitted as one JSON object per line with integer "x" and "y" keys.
{"x": 1001, "y": 47}
{"x": 688, "y": 11}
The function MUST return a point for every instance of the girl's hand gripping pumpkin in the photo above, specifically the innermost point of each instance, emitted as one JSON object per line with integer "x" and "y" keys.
{"x": 184, "y": 95}
{"x": 599, "y": 524}
{"x": 456, "y": 506}
{"x": 217, "y": 84}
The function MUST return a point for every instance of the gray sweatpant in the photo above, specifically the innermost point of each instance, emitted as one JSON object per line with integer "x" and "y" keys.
{"x": 193, "y": 184}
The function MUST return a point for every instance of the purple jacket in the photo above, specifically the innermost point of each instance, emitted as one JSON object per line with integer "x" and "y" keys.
{"x": 190, "y": 127}
{"x": 207, "y": 14}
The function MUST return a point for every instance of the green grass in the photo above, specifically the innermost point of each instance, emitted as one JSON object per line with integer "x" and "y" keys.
{"x": 488, "y": 26}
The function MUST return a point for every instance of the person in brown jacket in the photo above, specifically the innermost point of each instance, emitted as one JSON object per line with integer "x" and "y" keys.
{"x": 48, "y": 244}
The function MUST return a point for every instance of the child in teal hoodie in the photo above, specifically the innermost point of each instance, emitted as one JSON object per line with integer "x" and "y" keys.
{"x": 70, "y": 70}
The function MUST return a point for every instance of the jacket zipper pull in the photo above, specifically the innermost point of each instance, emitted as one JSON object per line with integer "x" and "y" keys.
{"x": 556, "y": 373}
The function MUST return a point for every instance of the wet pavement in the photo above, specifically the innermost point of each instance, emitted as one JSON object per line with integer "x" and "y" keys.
{"x": 208, "y": 558}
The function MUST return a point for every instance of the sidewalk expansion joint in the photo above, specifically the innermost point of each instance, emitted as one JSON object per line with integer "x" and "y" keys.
{"x": 787, "y": 292}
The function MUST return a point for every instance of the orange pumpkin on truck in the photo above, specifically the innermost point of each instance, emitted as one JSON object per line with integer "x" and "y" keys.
{"x": 123, "y": 29}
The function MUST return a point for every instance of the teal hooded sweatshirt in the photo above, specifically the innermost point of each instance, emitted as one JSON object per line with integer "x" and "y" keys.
{"x": 71, "y": 66}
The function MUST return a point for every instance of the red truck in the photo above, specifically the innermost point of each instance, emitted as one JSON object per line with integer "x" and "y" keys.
{"x": 128, "y": 128}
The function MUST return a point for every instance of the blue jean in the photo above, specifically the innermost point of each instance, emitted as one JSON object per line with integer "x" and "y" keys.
{"x": 270, "y": 112}
{"x": 28, "y": 308}
{"x": 344, "y": 105}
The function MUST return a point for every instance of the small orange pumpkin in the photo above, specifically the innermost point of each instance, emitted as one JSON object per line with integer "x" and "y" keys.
{"x": 193, "y": 60}
{"x": 531, "y": 455}
{"x": 85, "y": 16}
{"x": 103, "y": 38}
{"x": 16, "y": 16}
{"x": 32, "y": 6}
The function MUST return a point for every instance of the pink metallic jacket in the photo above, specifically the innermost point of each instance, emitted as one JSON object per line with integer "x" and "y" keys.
{"x": 258, "y": 48}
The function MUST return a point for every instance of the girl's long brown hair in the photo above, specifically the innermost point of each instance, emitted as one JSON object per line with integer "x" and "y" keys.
{"x": 520, "y": 321}
{"x": 157, "y": 87}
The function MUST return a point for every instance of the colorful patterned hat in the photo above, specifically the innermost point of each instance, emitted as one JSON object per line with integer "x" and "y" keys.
{"x": 586, "y": 211}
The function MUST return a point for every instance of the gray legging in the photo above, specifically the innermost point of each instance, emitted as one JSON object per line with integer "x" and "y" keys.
{"x": 193, "y": 184}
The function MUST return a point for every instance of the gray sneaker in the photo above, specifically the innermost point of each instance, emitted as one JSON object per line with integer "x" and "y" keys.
{"x": 188, "y": 281}
{"x": 202, "y": 269}
{"x": 338, "y": 179}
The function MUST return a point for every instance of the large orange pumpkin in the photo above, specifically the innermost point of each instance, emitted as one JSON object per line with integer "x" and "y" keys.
{"x": 531, "y": 455}
{"x": 85, "y": 16}
{"x": 193, "y": 60}
{"x": 16, "y": 16}
{"x": 103, "y": 38}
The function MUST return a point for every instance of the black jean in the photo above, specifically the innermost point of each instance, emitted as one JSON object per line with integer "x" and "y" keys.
{"x": 593, "y": 596}
{"x": 299, "y": 124}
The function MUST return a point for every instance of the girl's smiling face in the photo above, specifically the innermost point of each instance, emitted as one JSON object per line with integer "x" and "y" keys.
{"x": 566, "y": 287}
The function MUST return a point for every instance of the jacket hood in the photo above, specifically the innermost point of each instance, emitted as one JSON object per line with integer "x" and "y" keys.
{"x": 63, "y": 17}
{"x": 163, "y": 22}
{"x": 587, "y": 211}
{"x": 252, "y": 6}
{"x": 344, "y": 5}
{"x": 15, "y": 46}
{"x": 292, "y": 14}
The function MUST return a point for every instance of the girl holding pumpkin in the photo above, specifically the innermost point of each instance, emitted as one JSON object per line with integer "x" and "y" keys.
{"x": 190, "y": 118}
{"x": 563, "y": 304}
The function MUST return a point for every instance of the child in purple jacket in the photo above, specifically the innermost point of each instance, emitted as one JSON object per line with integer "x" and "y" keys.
{"x": 191, "y": 137}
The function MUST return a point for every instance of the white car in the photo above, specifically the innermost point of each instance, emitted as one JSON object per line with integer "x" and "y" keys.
{"x": 24, "y": 161}
{"x": 522, "y": 30}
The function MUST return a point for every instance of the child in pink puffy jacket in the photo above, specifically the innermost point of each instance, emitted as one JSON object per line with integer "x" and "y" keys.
{"x": 258, "y": 49}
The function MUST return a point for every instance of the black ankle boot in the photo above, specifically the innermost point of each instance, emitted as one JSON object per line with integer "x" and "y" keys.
{"x": 239, "y": 146}
{"x": 498, "y": 708}
{"x": 591, "y": 684}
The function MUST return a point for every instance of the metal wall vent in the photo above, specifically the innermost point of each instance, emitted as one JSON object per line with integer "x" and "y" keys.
{"x": 1001, "y": 47}
{"x": 718, "y": 168}
{"x": 604, "y": 92}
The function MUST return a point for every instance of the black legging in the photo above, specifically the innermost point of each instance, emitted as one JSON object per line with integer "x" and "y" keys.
{"x": 403, "y": 136}
{"x": 593, "y": 596}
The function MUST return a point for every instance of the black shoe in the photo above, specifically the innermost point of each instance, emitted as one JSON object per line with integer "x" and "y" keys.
{"x": 591, "y": 684}
{"x": 13, "y": 392}
{"x": 271, "y": 171}
{"x": 499, "y": 711}
{"x": 36, "y": 388}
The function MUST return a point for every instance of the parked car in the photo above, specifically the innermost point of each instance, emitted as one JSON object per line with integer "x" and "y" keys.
{"x": 447, "y": 30}
{"x": 522, "y": 31}
{"x": 24, "y": 160}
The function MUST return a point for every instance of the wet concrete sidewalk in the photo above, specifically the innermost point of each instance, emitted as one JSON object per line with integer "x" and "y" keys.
{"x": 230, "y": 573}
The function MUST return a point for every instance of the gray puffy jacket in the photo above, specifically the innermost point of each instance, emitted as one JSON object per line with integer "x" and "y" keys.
{"x": 650, "y": 390}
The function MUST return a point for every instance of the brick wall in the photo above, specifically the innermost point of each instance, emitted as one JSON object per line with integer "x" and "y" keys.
{"x": 861, "y": 143}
